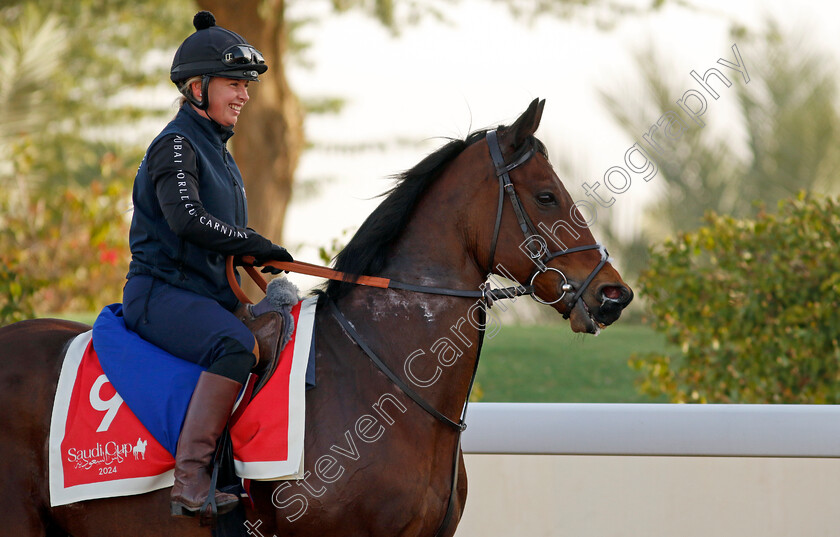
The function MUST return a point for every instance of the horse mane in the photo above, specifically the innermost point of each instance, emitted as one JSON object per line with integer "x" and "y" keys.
{"x": 367, "y": 251}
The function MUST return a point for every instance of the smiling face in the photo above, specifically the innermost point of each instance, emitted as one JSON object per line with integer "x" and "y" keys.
{"x": 227, "y": 97}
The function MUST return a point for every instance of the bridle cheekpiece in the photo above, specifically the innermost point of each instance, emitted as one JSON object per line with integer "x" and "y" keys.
{"x": 539, "y": 255}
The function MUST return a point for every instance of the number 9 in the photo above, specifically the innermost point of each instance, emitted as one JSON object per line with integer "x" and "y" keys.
{"x": 112, "y": 405}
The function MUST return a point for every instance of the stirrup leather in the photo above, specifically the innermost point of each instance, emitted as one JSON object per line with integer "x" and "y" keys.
{"x": 268, "y": 331}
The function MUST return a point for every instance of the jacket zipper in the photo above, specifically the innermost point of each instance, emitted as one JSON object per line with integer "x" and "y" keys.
{"x": 239, "y": 189}
{"x": 182, "y": 254}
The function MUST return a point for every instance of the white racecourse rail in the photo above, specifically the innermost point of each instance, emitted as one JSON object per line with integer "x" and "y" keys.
{"x": 653, "y": 429}
{"x": 639, "y": 470}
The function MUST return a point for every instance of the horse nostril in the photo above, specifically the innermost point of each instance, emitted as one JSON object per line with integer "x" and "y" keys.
{"x": 618, "y": 294}
{"x": 612, "y": 292}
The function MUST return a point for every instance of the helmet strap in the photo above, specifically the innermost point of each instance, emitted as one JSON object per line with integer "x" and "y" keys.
{"x": 204, "y": 103}
{"x": 186, "y": 91}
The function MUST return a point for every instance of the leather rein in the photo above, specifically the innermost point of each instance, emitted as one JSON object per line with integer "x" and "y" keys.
{"x": 540, "y": 257}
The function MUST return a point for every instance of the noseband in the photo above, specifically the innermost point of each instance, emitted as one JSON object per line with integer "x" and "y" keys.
{"x": 539, "y": 254}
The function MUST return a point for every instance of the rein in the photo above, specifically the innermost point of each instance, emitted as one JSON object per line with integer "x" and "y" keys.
{"x": 299, "y": 267}
{"x": 540, "y": 257}
{"x": 487, "y": 295}
{"x": 384, "y": 283}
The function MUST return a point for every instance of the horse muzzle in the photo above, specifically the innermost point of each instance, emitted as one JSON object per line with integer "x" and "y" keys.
{"x": 610, "y": 301}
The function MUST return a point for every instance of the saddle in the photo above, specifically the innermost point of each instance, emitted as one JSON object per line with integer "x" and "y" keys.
{"x": 273, "y": 328}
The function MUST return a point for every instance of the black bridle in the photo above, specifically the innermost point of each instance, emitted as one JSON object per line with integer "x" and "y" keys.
{"x": 540, "y": 254}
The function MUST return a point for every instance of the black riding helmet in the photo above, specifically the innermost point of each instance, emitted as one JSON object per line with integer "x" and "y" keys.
{"x": 213, "y": 51}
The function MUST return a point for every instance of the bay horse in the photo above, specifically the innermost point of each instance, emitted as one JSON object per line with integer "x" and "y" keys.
{"x": 377, "y": 462}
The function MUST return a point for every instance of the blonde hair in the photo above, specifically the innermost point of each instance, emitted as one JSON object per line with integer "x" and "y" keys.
{"x": 187, "y": 86}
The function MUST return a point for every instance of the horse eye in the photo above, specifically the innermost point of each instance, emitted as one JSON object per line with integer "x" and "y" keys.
{"x": 546, "y": 198}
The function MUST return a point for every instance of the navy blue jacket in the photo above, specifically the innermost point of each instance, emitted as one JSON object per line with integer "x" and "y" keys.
{"x": 190, "y": 209}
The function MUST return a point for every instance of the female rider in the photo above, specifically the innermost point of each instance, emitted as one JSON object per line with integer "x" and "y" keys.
{"x": 190, "y": 212}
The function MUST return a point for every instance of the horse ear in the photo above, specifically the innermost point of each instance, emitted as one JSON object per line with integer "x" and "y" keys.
{"x": 525, "y": 125}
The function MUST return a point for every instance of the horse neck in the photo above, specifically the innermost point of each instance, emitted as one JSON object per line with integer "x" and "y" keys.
{"x": 434, "y": 249}
{"x": 440, "y": 331}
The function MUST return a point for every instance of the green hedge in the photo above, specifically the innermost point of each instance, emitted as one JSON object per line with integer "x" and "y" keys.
{"x": 753, "y": 306}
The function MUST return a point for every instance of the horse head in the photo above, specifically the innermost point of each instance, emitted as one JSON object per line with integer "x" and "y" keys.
{"x": 539, "y": 236}
{"x": 489, "y": 204}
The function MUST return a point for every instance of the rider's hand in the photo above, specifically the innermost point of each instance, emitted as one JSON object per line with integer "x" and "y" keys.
{"x": 276, "y": 253}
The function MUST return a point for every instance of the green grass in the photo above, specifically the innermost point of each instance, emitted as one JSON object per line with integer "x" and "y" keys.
{"x": 551, "y": 364}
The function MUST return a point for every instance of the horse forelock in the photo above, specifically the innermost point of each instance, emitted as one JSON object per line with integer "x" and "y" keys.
{"x": 367, "y": 252}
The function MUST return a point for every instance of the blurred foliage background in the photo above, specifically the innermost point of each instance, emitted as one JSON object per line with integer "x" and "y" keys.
{"x": 787, "y": 114}
{"x": 735, "y": 259}
{"x": 65, "y": 174}
{"x": 752, "y": 304}
{"x": 732, "y": 263}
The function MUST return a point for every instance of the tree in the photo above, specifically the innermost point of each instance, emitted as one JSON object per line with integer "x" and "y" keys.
{"x": 791, "y": 124}
{"x": 272, "y": 126}
{"x": 64, "y": 93}
{"x": 68, "y": 89}
{"x": 64, "y": 181}
{"x": 749, "y": 297}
